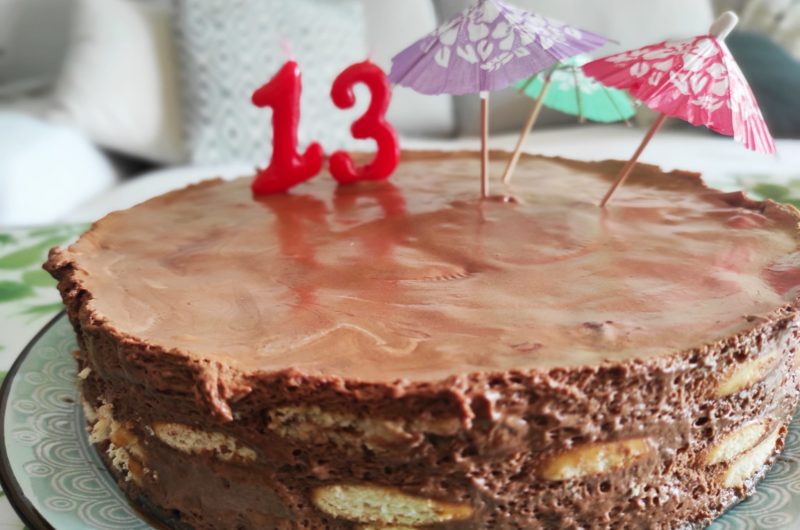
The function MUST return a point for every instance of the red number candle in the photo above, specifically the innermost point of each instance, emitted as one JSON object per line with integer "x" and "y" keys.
{"x": 372, "y": 124}
{"x": 287, "y": 168}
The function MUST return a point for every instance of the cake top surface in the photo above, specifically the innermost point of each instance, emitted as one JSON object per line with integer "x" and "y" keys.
{"x": 417, "y": 279}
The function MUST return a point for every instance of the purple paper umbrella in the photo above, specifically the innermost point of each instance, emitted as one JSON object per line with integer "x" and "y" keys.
{"x": 487, "y": 47}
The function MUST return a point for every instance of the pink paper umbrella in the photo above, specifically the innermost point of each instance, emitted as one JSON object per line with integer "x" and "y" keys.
{"x": 696, "y": 80}
{"x": 487, "y": 47}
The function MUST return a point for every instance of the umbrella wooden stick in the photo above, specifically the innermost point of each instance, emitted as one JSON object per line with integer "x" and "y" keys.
{"x": 632, "y": 162}
{"x": 484, "y": 140}
{"x": 616, "y": 107}
{"x": 581, "y": 118}
{"x": 527, "y": 84}
{"x": 526, "y": 129}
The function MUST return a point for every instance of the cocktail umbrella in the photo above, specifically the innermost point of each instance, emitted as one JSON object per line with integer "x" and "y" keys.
{"x": 696, "y": 80}
{"x": 565, "y": 88}
{"x": 487, "y": 47}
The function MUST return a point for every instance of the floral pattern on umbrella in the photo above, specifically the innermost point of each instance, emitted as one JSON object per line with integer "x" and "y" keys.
{"x": 695, "y": 79}
{"x": 488, "y": 47}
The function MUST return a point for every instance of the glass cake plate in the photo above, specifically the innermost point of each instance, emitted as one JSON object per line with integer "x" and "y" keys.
{"x": 55, "y": 479}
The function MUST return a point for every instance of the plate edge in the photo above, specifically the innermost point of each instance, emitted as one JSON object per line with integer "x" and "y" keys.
{"x": 29, "y": 515}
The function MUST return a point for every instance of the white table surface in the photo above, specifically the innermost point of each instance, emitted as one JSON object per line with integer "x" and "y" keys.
{"x": 723, "y": 162}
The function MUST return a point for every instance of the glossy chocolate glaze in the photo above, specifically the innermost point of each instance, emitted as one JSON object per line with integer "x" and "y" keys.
{"x": 416, "y": 279}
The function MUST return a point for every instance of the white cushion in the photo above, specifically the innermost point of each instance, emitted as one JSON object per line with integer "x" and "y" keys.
{"x": 34, "y": 35}
{"x": 391, "y": 26}
{"x": 119, "y": 83}
{"x": 46, "y": 170}
{"x": 632, "y": 23}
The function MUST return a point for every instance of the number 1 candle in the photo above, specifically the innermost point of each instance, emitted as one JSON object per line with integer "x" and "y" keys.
{"x": 287, "y": 168}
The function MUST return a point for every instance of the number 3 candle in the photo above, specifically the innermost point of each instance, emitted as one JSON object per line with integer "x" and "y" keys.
{"x": 287, "y": 167}
{"x": 372, "y": 124}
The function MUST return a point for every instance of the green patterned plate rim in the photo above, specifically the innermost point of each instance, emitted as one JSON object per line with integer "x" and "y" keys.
{"x": 54, "y": 478}
{"x": 49, "y": 471}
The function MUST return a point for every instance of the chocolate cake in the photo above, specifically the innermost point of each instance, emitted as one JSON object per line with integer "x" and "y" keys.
{"x": 400, "y": 354}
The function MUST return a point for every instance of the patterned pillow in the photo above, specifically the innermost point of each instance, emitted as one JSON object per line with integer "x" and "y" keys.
{"x": 228, "y": 48}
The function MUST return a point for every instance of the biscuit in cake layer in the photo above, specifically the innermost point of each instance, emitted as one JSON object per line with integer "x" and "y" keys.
{"x": 385, "y": 506}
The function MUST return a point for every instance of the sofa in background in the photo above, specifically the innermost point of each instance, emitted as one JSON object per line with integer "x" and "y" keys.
{"x": 128, "y": 85}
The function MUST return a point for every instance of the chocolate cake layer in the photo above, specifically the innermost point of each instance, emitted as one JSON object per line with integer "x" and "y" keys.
{"x": 402, "y": 355}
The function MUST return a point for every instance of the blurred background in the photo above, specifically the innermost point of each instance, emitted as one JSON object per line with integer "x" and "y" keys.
{"x": 106, "y": 102}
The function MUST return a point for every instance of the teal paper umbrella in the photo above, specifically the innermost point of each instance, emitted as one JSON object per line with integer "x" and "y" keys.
{"x": 565, "y": 88}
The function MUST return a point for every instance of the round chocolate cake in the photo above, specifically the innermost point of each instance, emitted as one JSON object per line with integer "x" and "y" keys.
{"x": 401, "y": 354}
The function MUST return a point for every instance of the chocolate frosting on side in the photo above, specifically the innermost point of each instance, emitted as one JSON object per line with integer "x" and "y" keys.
{"x": 483, "y": 339}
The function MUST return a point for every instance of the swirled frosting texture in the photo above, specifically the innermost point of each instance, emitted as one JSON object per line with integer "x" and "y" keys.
{"x": 416, "y": 279}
